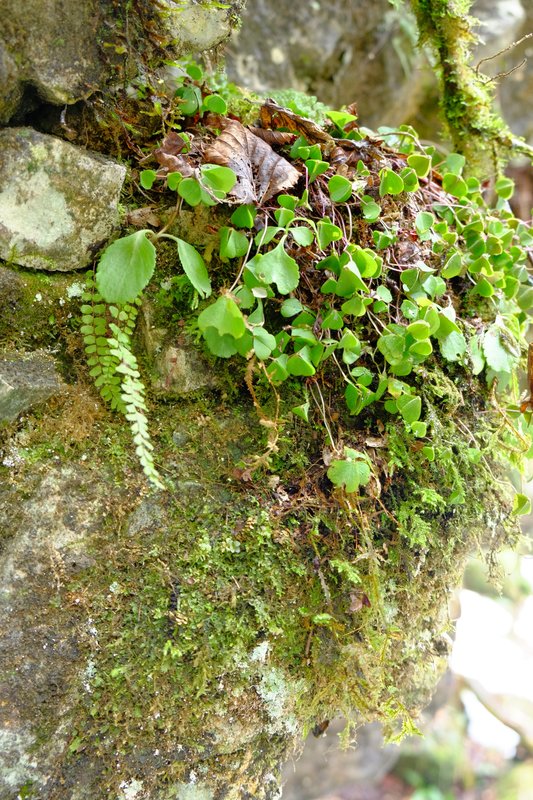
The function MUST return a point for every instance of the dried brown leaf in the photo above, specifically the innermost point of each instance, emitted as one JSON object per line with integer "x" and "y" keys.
{"x": 273, "y": 137}
{"x": 169, "y": 155}
{"x": 261, "y": 173}
{"x": 274, "y": 116}
{"x": 141, "y": 217}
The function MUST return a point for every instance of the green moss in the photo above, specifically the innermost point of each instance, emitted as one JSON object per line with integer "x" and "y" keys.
{"x": 467, "y": 97}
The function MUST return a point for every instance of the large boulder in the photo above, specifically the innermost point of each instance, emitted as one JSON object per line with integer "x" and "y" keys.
{"x": 344, "y": 51}
{"x": 339, "y": 50}
{"x": 24, "y": 381}
{"x": 62, "y": 51}
{"x": 58, "y": 202}
{"x": 49, "y": 49}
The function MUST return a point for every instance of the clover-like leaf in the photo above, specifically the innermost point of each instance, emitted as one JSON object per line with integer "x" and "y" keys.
{"x": 225, "y": 316}
{"x": 453, "y": 346}
{"x": 350, "y": 472}
{"x": 232, "y": 243}
{"x": 340, "y": 188}
{"x": 278, "y": 267}
{"x": 410, "y": 407}
{"x": 390, "y": 183}
{"x": 497, "y": 357}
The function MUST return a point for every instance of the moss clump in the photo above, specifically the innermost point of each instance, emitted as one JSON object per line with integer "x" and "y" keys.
{"x": 467, "y": 96}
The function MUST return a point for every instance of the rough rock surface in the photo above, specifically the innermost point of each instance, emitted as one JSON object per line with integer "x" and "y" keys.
{"x": 197, "y": 27}
{"x": 516, "y": 90}
{"x": 50, "y": 49}
{"x": 42, "y": 541}
{"x": 343, "y": 51}
{"x": 339, "y": 50}
{"x": 62, "y": 51}
{"x": 58, "y": 203}
{"x": 24, "y": 381}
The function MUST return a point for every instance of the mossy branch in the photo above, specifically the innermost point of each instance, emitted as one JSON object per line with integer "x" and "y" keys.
{"x": 467, "y": 96}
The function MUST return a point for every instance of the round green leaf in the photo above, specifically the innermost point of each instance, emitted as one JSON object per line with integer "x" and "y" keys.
{"x": 194, "y": 71}
{"x": 125, "y": 268}
{"x": 316, "y": 168}
{"x": 222, "y": 179}
{"x": 410, "y": 179}
{"x": 244, "y": 216}
{"x": 504, "y": 187}
{"x": 233, "y": 244}
{"x": 371, "y": 209}
{"x": 173, "y": 180}
{"x": 190, "y": 99}
{"x": 423, "y": 221}
{"x": 453, "y": 266}
{"x": 278, "y": 267}
{"x": 225, "y": 316}
{"x": 302, "y": 235}
{"x": 350, "y": 473}
{"x": 147, "y": 178}
{"x": 421, "y": 164}
{"x": 419, "y": 329}
{"x": 410, "y": 407}
{"x": 340, "y": 189}
{"x": 521, "y": 505}
{"x": 215, "y": 103}
{"x": 300, "y": 363}
{"x": 191, "y": 191}
{"x": 327, "y": 233}
{"x": 453, "y": 346}
{"x": 290, "y": 307}
{"x": 221, "y": 346}
{"x": 263, "y": 343}
{"x": 391, "y": 183}
{"x": 454, "y": 185}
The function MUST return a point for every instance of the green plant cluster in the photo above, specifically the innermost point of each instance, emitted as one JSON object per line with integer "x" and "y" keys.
{"x": 314, "y": 285}
{"x": 107, "y": 331}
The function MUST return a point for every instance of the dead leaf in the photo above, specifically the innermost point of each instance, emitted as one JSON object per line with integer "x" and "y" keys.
{"x": 168, "y": 155}
{"x": 261, "y": 173}
{"x": 274, "y": 116}
{"x": 358, "y": 600}
{"x": 273, "y": 137}
{"x": 141, "y": 217}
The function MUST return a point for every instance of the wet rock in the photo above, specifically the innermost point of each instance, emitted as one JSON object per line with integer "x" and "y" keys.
{"x": 58, "y": 202}
{"x": 48, "y": 48}
{"x": 25, "y": 380}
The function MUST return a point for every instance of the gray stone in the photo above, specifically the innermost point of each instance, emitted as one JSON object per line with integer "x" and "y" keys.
{"x": 58, "y": 202}
{"x": 182, "y": 370}
{"x": 40, "y": 661}
{"x": 176, "y": 366}
{"x": 516, "y": 90}
{"x": 339, "y": 50}
{"x": 195, "y": 27}
{"x": 25, "y": 381}
{"x": 324, "y": 767}
{"x": 52, "y": 46}
{"x": 500, "y": 22}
